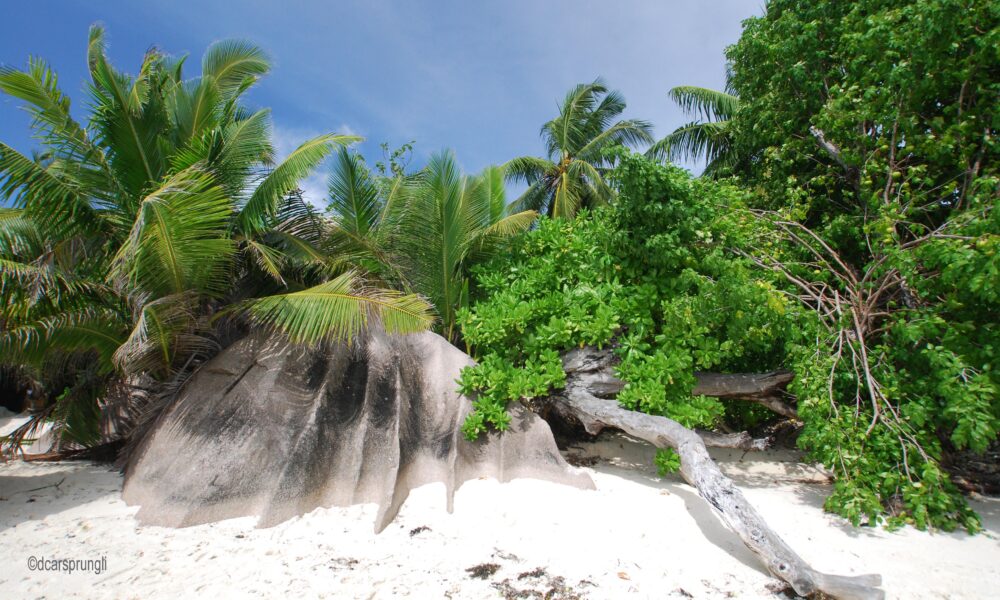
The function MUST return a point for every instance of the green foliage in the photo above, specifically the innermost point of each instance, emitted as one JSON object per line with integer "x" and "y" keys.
{"x": 652, "y": 275}
{"x": 906, "y": 91}
{"x": 877, "y": 474}
{"x": 667, "y": 461}
{"x": 394, "y": 163}
{"x": 869, "y": 129}
{"x": 667, "y": 276}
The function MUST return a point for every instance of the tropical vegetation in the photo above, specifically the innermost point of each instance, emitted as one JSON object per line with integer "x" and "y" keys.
{"x": 845, "y": 228}
{"x": 864, "y": 143}
{"x": 422, "y": 231}
{"x": 136, "y": 238}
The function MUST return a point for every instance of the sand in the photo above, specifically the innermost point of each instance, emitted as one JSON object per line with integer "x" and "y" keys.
{"x": 636, "y": 536}
{"x": 42, "y": 440}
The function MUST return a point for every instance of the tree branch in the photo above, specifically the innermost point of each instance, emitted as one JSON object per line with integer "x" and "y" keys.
{"x": 850, "y": 172}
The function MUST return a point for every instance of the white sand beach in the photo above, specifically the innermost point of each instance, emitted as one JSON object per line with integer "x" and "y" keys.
{"x": 636, "y": 536}
{"x": 42, "y": 440}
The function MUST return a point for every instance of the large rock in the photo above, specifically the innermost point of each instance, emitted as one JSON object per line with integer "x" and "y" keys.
{"x": 275, "y": 430}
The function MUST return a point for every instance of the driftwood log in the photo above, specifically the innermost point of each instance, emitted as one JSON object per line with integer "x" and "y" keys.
{"x": 590, "y": 380}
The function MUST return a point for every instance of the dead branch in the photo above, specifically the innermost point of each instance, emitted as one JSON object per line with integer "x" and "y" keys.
{"x": 850, "y": 172}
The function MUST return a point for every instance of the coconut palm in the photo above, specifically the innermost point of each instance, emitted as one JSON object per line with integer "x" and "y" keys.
{"x": 572, "y": 175}
{"x": 364, "y": 216}
{"x": 424, "y": 231}
{"x": 130, "y": 236}
{"x": 707, "y": 138}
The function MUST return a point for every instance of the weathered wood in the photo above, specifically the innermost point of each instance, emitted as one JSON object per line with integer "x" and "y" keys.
{"x": 578, "y": 402}
{"x": 596, "y": 369}
{"x": 740, "y": 385}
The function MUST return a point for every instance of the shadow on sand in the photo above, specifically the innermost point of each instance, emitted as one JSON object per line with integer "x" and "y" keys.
{"x": 32, "y": 492}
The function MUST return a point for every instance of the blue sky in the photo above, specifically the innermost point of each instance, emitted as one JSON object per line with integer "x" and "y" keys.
{"x": 479, "y": 77}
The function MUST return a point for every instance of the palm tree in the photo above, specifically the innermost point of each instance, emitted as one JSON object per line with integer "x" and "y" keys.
{"x": 572, "y": 176}
{"x": 131, "y": 236}
{"x": 363, "y": 207}
{"x": 709, "y": 138}
{"x": 425, "y": 231}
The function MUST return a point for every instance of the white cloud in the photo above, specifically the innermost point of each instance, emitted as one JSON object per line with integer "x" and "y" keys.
{"x": 346, "y": 129}
{"x": 287, "y": 139}
{"x": 314, "y": 189}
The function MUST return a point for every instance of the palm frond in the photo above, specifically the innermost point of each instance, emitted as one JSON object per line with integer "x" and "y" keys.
{"x": 510, "y": 225}
{"x": 599, "y": 192}
{"x": 537, "y": 197}
{"x": 167, "y": 328}
{"x": 492, "y": 179}
{"x": 122, "y": 122}
{"x": 269, "y": 260}
{"x": 97, "y": 330}
{"x": 340, "y": 309}
{"x": 297, "y": 249}
{"x": 179, "y": 241}
{"x": 232, "y": 62}
{"x": 567, "y": 131}
{"x": 54, "y": 204}
{"x": 262, "y": 205}
{"x": 232, "y": 150}
{"x": 300, "y": 218}
{"x": 246, "y": 142}
{"x": 195, "y": 107}
{"x": 51, "y": 118}
{"x": 631, "y": 133}
{"x": 711, "y": 105}
{"x": 565, "y": 199}
{"x": 394, "y": 193}
{"x": 693, "y": 140}
{"x": 19, "y": 236}
{"x": 528, "y": 169}
{"x": 26, "y": 284}
{"x": 355, "y": 203}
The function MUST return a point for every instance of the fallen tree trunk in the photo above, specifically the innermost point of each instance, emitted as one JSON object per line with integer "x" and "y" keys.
{"x": 762, "y": 388}
{"x": 579, "y": 402}
{"x": 596, "y": 369}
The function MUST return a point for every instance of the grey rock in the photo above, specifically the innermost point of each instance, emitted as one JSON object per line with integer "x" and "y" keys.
{"x": 275, "y": 430}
